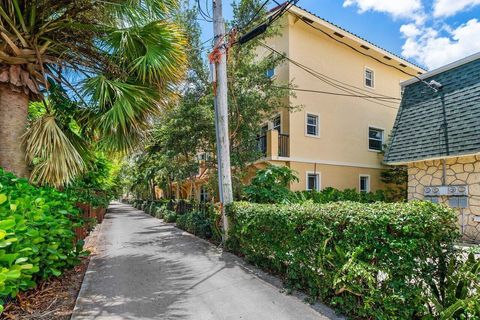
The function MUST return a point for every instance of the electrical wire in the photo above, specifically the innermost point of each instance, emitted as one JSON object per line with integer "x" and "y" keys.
{"x": 202, "y": 46}
{"x": 352, "y": 90}
{"x": 331, "y": 93}
{"x": 207, "y": 8}
{"x": 285, "y": 7}
{"x": 363, "y": 53}
{"x": 205, "y": 16}
{"x": 319, "y": 76}
{"x": 336, "y": 94}
{"x": 282, "y": 9}
{"x": 255, "y": 16}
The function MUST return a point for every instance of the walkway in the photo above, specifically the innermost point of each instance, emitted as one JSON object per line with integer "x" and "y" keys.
{"x": 146, "y": 269}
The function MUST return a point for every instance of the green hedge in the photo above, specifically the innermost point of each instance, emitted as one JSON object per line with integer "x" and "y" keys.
{"x": 202, "y": 223}
{"x": 367, "y": 260}
{"x": 37, "y": 239}
{"x": 334, "y": 195}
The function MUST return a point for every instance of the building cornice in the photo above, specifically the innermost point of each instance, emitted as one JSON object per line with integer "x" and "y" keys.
{"x": 324, "y": 162}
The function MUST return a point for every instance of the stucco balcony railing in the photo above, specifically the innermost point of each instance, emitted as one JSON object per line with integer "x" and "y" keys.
{"x": 273, "y": 143}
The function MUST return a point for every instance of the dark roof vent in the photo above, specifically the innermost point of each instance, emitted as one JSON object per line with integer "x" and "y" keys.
{"x": 307, "y": 20}
{"x": 387, "y": 57}
{"x": 338, "y": 34}
{"x": 403, "y": 65}
{"x": 365, "y": 47}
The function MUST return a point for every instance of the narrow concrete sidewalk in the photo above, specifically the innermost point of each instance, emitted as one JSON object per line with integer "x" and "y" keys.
{"x": 147, "y": 269}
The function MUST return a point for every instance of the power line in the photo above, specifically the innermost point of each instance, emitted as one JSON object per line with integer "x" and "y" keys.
{"x": 207, "y": 8}
{"x": 255, "y": 16}
{"x": 337, "y": 83}
{"x": 363, "y": 53}
{"x": 205, "y": 16}
{"x": 331, "y": 93}
{"x": 202, "y": 46}
{"x": 320, "y": 76}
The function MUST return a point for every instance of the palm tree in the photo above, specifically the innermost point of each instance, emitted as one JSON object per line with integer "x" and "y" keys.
{"x": 117, "y": 59}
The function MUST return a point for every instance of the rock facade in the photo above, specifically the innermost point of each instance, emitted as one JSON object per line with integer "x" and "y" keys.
{"x": 459, "y": 171}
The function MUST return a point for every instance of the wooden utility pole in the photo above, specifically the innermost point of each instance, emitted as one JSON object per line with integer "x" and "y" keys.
{"x": 221, "y": 112}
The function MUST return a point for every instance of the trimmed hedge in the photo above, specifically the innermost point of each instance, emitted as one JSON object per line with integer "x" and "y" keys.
{"x": 170, "y": 217}
{"x": 37, "y": 239}
{"x": 367, "y": 260}
{"x": 202, "y": 224}
{"x": 329, "y": 194}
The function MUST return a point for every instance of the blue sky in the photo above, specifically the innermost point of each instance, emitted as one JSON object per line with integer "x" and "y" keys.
{"x": 428, "y": 32}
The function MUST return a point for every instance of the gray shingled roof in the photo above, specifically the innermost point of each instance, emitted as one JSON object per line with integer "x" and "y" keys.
{"x": 418, "y": 132}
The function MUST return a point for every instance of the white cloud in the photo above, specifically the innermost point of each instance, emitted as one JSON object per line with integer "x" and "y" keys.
{"x": 429, "y": 40}
{"x": 447, "y": 8}
{"x": 410, "y": 30}
{"x": 395, "y": 8}
{"x": 433, "y": 50}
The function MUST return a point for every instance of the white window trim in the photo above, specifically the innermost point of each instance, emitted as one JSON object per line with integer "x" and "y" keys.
{"x": 318, "y": 124}
{"x": 360, "y": 182}
{"x": 319, "y": 180}
{"x": 270, "y": 122}
{"x": 365, "y": 77}
{"x": 368, "y": 137}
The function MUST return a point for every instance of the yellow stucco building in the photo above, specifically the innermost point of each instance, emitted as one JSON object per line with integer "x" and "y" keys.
{"x": 335, "y": 138}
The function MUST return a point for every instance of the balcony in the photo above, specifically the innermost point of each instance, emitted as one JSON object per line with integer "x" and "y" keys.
{"x": 273, "y": 144}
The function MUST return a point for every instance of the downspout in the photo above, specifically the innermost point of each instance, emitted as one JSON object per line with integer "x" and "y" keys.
{"x": 445, "y": 135}
{"x": 447, "y": 153}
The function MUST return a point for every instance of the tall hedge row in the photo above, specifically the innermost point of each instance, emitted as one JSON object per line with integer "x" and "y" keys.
{"x": 36, "y": 234}
{"x": 367, "y": 260}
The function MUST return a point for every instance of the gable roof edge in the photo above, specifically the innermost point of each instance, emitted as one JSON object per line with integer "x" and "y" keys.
{"x": 444, "y": 68}
{"x": 297, "y": 10}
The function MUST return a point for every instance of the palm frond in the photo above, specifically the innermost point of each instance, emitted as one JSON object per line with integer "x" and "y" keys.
{"x": 152, "y": 54}
{"x": 123, "y": 111}
{"x": 57, "y": 161}
{"x": 119, "y": 58}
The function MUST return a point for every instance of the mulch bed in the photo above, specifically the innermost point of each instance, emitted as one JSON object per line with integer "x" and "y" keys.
{"x": 52, "y": 299}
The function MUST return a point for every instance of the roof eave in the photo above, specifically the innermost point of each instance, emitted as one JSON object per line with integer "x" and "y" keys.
{"x": 302, "y": 12}
{"x": 444, "y": 68}
{"x": 405, "y": 162}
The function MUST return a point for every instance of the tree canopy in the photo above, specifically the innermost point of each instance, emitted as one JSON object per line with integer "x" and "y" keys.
{"x": 187, "y": 129}
{"x": 118, "y": 61}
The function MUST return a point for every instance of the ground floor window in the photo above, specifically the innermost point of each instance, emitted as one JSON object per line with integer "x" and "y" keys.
{"x": 364, "y": 183}
{"x": 313, "y": 181}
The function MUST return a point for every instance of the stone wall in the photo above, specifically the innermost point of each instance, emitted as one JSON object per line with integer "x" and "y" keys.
{"x": 459, "y": 171}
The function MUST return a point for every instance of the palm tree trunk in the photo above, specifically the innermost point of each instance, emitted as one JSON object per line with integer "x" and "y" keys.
{"x": 13, "y": 121}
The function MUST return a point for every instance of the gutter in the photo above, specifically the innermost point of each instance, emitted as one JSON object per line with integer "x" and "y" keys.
{"x": 434, "y": 158}
{"x": 447, "y": 67}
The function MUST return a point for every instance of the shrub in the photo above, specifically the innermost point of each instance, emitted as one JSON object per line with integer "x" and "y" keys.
{"x": 202, "y": 223}
{"x": 170, "y": 216}
{"x": 36, "y": 234}
{"x": 367, "y": 260}
{"x": 334, "y": 195}
{"x": 271, "y": 185}
{"x": 456, "y": 293}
